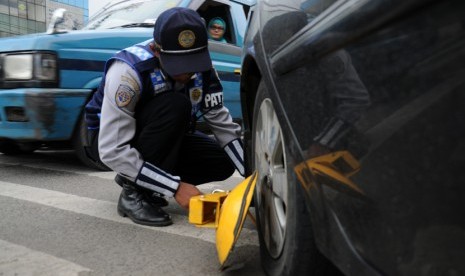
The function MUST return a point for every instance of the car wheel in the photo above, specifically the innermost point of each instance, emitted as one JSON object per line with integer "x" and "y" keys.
{"x": 79, "y": 141}
{"x": 287, "y": 244}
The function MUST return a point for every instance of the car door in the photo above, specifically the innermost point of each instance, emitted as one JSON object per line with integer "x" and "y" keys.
{"x": 388, "y": 73}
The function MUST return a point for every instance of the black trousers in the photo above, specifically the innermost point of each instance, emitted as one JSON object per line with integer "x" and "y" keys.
{"x": 164, "y": 139}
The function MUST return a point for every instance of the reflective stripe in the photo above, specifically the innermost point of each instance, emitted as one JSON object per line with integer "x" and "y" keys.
{"x": 155, "y": 179}
{"x": 139, "y": 52}
{"x": 325, "y": 140}
{"x": 236, "y": 153}
{"x": 153, "y": 188}
{"x": 336, "y": 139}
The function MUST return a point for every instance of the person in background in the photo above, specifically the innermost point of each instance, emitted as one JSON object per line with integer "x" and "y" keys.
{"x": 141, "y": 120}
{"x": 216, "y": 29}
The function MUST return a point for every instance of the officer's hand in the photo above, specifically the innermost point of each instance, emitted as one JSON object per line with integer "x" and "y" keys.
{"x": 184, "y": 193}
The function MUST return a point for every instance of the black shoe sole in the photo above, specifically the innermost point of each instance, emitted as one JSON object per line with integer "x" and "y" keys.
{"x": 142, "y": 222}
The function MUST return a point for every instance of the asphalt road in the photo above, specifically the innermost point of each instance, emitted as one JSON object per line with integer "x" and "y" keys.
{"x": 58, "y": 217}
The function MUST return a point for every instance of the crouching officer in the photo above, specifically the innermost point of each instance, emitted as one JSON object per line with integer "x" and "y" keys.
{"x": 141, "y": 121}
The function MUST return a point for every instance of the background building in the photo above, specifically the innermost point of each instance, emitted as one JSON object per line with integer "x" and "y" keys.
{"x": 33, "y": 16}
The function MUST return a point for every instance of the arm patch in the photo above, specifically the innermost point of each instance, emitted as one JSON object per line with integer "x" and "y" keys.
{"x": 124, "y": 95}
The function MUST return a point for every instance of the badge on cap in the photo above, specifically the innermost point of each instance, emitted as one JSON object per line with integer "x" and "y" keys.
{"x": 186, "y": 38}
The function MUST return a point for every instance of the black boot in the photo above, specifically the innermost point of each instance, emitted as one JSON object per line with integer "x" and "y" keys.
{"x": 133, "y": 204}
{"x": 154, "y": 198}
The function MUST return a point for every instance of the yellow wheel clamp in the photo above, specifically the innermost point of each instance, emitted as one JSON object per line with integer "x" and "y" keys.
{"x": 225, "y": 211}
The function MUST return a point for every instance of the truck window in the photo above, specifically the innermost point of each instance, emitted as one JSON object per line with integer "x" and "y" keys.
{"x": 211, "y": 9}
{"x": 129, "y": 13}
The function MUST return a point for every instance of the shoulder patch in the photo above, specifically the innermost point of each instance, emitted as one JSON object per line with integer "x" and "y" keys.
{"x": 124, "y": 95}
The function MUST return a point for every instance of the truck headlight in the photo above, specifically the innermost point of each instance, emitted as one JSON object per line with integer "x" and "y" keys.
{"x": 18, "y": 67}
{"x": 29, "y": 69}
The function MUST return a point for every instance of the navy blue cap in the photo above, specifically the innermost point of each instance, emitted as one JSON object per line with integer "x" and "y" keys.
{"x": 181, "y": 36}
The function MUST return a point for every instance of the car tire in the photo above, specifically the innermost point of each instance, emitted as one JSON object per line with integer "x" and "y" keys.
{"x": 79, "y": 141}
{"x": 287, "y": 245}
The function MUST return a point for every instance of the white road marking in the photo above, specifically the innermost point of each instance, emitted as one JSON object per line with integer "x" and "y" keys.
{"x": 58, "y": 167}
{"x": 107, "y": 210}
{"x": 111, "y": 175}
{"x": 19, "y": 260}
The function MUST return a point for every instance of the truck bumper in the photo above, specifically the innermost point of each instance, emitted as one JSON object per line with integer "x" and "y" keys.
{"x": 40, "y": 114}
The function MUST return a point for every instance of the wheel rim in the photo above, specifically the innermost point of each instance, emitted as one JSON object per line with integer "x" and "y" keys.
{"x": 272, "y": 184}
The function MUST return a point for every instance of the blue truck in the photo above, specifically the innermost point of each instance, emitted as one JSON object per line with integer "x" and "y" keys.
{"x": 47, "y": 78}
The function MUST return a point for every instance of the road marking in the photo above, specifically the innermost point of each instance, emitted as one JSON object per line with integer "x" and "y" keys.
{"x": 111, "y": 175}
{"x": 19, "y": 260}
{"x": 43, "y": 164}
{"x": 107, "y": 210}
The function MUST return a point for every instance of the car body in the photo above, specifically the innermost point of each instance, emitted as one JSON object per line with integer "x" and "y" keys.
{"x": 47, "y": 78}
{"x": 354, "y": 121}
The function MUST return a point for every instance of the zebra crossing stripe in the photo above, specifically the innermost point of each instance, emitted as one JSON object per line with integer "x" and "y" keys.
{"x": 107, "y": 210}
{"x": 20, "y": 260}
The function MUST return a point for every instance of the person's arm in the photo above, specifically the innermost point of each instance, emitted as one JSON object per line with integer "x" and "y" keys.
{"x": 118, "y": 127}
{"x": 227, "y": 132}
{"x": 117, "y": 122}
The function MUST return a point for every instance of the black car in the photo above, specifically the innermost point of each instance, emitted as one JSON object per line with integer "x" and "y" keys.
{"x": 354, "y": 119}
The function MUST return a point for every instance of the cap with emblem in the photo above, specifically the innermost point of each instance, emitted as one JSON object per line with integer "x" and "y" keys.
{"x": 181, "y": 35}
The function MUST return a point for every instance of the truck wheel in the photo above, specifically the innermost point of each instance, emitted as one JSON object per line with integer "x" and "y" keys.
{"x": 13, "y": 148}
{"x": 287, "y": 245}
{"x": 79, "y": 141}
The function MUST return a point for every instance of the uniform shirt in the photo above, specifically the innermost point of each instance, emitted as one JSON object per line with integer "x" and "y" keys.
{"x": 118, "y": 126}
{"x": 123, "y": 89}
{"x": 132, "y": 75}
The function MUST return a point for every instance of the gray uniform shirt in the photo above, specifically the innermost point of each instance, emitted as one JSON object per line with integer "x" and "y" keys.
{"x": 118, "y": 125}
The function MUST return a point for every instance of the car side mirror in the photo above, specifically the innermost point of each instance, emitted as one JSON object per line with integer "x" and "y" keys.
{"x": 57, "y": 21}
